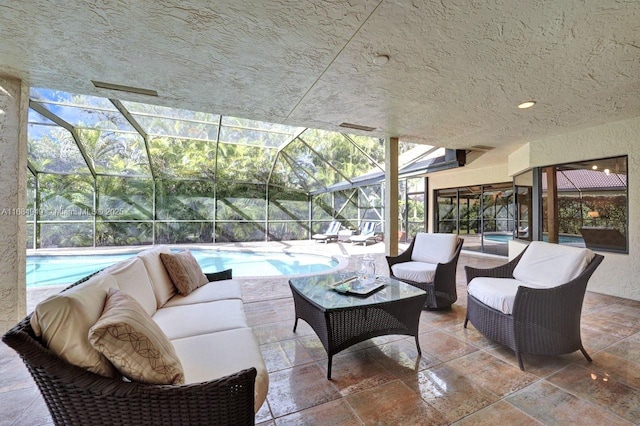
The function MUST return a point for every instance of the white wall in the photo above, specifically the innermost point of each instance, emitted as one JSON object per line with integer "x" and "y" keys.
{"x": 618, "y": 274}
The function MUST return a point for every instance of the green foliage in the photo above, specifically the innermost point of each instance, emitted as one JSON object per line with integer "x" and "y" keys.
{"x": 184, "y": 199}
{"x": 122, "y": 198}
{"x": 184, "y": 232}
{"x": 123, "y": 233}
{"x": 192, "y": 171}
{"x": 65, "y": 197}
{"x": 66, "y": 235}
{"x": 573, "y": 212}
{"x": 183, "y": 158}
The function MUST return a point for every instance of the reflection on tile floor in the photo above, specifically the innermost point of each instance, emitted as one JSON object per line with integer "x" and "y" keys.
{"x": 462, "y": 378}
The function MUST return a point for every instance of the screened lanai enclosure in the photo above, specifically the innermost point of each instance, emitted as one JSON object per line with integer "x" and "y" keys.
{"x": 105, "y": 172}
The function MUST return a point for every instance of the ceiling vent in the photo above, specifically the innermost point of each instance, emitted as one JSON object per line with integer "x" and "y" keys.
{"x": 129, "y": 89}
{"x": 357, "y": 127}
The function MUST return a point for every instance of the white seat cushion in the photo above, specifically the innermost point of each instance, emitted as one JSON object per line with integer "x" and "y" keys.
{"x": 163, "y": 287}
{"x": 133, "y": 279}
{"x": 419, "y": 272}
{"x": 330, "y": 233}
{"x": 498, "y": 293}
{"x": 218, "y": 290}
{"x": 200, "y": 318}
{"x": 363, "y": 237}
{"x": 550, "y": 265}
{"x": 434, "y": 248}
{"x": 215, "y": 355}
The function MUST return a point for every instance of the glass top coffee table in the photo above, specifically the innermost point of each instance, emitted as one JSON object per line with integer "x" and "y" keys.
{"x": 343, "y": 319}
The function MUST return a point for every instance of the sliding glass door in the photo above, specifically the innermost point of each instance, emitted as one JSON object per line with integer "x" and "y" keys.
{"x": 484, "y": 215}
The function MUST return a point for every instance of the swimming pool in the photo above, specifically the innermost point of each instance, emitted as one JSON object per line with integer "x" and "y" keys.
{"x": 563, "y": 239}
{"x": 498, "y": 238}
{"x": 44, "y": 270}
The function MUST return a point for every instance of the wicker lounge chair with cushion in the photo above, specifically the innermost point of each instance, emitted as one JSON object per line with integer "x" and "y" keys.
{"x": 330, "y": 234}
{"x": 533, "y": 303}
{"x": 367, "y": 234}
{"x": 430, "y": 263}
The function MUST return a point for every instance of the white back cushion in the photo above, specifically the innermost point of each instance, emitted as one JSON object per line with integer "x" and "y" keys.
{"x": 434, "y": 248}
{"x": 133, "y": 279}
{"x": 549, "y": 265}
{"x": 64, "y": 320}
{"x": 334, "y": 228}
{"x": 162, "y": 285}
{"x": 368, "y": 228}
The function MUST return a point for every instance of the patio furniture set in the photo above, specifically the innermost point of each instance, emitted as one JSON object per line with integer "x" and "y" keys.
{"x": 209, "y": 370}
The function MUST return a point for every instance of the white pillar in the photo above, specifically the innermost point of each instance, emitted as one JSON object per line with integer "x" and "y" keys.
{"x": 14, "y": 103}
{"x": 391, "y": 196}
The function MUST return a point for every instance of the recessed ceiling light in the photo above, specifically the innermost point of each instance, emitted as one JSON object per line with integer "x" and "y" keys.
{"x": 526, "y": 105}
{"x": 594, "y": 167}
{"x": 381, "y": 59}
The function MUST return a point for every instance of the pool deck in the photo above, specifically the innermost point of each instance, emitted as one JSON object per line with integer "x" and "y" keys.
{"x": 462, "y": 377}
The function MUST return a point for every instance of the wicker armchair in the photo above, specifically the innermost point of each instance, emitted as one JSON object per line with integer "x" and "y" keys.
{"x": 441, "y": 290}
{"x": 543, "y": 321}
{"x": 75, "y": 396}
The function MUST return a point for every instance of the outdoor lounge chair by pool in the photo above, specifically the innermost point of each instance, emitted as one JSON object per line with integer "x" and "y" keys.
{"x": 367, "y": 234}
{"x": 330, "y": 234}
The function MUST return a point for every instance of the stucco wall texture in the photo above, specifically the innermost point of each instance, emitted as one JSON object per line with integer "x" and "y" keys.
{"x": 13, "y": 157}
{"x": 617, "y": 275}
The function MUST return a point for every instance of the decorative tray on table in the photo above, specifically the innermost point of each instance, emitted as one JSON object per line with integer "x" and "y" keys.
{"x": 353, "y": 286}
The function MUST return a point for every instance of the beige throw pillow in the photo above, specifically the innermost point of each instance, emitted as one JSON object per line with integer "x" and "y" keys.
{"x": 184, "y": 271}
{"x": 134, "y": 344}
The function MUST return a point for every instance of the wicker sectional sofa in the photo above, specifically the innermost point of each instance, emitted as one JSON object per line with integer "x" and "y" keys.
{"x": 222, "y": 380}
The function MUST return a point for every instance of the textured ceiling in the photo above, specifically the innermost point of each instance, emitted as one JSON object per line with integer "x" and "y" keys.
{"x": 457, "y": 68}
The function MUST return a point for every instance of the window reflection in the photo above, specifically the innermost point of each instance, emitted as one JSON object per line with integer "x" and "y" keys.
{"x": 592, "y": 207}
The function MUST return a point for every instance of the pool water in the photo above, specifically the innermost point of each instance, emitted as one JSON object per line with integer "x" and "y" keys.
{"x": 498, "y": 238}
{"x": 66, "y": 269}
{"x": 563, "y": 239}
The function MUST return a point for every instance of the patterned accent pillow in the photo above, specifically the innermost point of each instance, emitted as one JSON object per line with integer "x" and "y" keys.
{"x": 134, "y": 344}
{"x": 184, "y": 271}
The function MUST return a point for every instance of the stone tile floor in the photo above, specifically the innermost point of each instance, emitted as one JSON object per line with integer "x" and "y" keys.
{"x": 462, "y": 378}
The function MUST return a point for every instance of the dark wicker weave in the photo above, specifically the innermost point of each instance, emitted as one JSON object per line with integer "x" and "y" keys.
{"x": 441, "y": 293}
{"x": 543, "y": 321}
{"x": 76, "y": 396}
{"x": 341, "y": 328}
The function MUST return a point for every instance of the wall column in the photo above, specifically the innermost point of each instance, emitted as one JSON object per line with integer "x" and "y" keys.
{"x": 553, "y": 225}
{"x": 14, "y": 103}
{"x": 391, "y": 196}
